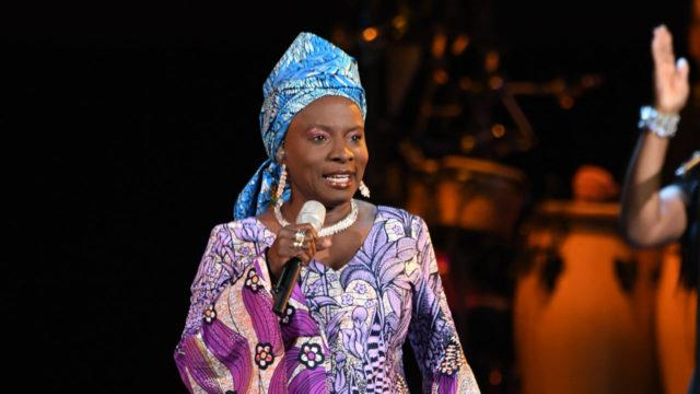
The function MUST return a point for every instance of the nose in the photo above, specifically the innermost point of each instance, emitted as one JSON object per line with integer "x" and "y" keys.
{"x": 341, "y": 151}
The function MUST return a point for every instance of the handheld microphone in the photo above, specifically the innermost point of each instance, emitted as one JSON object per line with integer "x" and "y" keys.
{"x": 314, "y": 213}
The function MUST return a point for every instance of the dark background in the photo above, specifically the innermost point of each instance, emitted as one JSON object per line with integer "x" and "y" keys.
{"x": 130, "y": 128}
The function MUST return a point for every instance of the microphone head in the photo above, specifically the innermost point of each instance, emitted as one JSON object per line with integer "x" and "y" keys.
{"x": 312, "y": 212}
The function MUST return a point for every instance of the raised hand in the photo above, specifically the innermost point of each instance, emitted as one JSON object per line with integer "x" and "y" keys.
{"x": 670, "y": 76}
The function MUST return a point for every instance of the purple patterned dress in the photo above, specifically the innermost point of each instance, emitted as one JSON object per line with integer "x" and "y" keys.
{"x": 343, "y": 330}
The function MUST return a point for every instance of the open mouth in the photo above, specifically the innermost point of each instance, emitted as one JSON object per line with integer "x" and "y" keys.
{"x": 339, "y": 180}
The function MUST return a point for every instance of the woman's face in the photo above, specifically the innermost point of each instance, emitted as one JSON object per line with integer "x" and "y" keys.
{"x": 325, "y": 151}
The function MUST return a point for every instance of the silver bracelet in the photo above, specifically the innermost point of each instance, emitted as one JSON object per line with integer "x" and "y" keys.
{"x": 659, "y": 123}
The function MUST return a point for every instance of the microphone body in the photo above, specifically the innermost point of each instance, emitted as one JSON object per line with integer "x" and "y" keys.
{"x": 312, "y": 212}
{"x": 283, "y": 290}
{"x": 691, "y": 167}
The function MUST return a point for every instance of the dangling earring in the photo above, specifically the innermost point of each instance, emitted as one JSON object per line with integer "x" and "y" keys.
{"x": 364, "y": 190}
{"x": 280, "y": 185}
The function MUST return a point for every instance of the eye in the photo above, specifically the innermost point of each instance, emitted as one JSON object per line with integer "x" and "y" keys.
{"x": 318, "y": 138}
{"x": 356, "y": 137}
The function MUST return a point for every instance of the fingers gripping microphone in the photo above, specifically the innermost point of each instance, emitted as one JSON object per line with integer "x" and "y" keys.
{"x": 314, "y": 213}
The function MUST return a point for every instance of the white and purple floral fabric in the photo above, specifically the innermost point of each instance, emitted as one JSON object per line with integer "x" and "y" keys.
{"x": 343, "y": 330}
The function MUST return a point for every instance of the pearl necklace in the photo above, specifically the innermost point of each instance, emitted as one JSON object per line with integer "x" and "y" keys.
{"x": 326, "y": 231}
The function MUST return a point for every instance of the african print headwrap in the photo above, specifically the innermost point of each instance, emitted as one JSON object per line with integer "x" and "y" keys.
{"x": 310, "y": 69}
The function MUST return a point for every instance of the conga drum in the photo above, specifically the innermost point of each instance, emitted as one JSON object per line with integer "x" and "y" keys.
{"x": 584, "y": 304}
{"x": 472, "y": 194}
{"x": 675, "y": 325}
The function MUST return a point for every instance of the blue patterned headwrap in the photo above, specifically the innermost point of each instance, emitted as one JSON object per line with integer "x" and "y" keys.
{"x": 310, "y": 69}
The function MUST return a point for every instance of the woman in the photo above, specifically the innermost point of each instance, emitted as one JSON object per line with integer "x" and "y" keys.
{"x": 653, "y": 215}
{"x": 369, "y": 278}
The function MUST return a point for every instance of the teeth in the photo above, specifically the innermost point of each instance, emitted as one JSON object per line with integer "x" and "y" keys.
{"x": 339, "y": 180}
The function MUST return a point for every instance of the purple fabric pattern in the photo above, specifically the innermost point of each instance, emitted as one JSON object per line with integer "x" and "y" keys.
{"x": 231, "y": 349}
{"x": 197, "y": 366}
{"x": 343, "y": 330}
{"x": 258, "y": 304}
{"x": 300, "y": 325}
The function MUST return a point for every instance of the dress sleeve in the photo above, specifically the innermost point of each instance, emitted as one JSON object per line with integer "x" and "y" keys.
{"x": 232, "y": 340}
{"x": 432, "y": 332}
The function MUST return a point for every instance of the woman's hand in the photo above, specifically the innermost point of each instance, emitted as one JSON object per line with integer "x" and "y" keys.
{"x": 283, "y": 249}
{"x": 670, "y": 77}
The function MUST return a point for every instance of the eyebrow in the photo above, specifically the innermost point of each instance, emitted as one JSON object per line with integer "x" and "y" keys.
{"x": 329, "y": 128}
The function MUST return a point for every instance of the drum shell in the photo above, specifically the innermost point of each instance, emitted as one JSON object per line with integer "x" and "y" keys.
{"x": 471, "y": 194}
{"x": 586, "y": 327}
{"x": 675, "y": 325}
